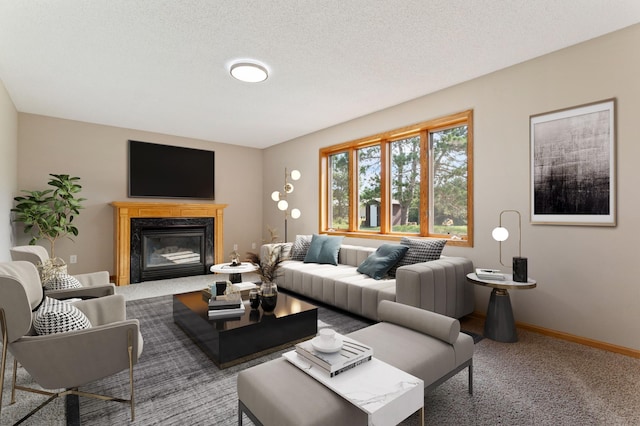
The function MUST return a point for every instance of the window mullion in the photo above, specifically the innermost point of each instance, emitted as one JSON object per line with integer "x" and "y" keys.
{"x": 353, "y": 190}
{"x": 425, "y": 168}
{"x": 385, "y": 197}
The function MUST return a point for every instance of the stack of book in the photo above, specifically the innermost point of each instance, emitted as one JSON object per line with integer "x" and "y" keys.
{"x": 489, "y": 274}
{"x": 221, "y": 308}
{"x": 349, "y": 356}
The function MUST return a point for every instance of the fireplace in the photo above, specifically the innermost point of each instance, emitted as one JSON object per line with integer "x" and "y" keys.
{"x": 164, "y": 219}
{"x": 170, "y": 247}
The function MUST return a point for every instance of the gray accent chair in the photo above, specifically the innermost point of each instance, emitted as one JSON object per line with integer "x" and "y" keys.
{"x": 94, "y": 284}
{"x": 70, "y": 359}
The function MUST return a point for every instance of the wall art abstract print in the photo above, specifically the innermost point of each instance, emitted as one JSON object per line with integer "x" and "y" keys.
{"x": 573, "y": 166}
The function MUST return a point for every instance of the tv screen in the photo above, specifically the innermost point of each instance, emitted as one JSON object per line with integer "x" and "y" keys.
{"x": 170, "y": 171}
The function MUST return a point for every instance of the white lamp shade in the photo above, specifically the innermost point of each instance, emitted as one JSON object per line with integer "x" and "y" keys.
{"x": 283, "y": 205}
{"x": 295, "y": 174}
{"x": 295, "y": 213}
{"x": 500, "y": 234}
{"x": 275, "y": 196}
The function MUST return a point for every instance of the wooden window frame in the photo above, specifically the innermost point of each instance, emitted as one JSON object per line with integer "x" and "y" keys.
{"x": 383, "y": 140}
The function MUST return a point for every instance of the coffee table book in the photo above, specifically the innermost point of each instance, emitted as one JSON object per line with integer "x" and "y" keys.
{"x": 215, "y": 304}
{"x": 351, "y": 354}
{"x": 227, "y": 313}
{"x": 489, "y": 274}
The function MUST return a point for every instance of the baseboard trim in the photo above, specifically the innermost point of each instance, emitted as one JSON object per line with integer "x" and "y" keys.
{"x": 634, "y": 353}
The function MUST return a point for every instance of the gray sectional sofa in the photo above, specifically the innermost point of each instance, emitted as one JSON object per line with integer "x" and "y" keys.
{"x": 439, "y": 286}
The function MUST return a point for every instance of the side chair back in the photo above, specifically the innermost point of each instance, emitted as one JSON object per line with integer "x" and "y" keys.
{"x": 34, "y": 254}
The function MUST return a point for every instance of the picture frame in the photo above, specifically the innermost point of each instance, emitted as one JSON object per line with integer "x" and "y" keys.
{"x": 573, "y": 165}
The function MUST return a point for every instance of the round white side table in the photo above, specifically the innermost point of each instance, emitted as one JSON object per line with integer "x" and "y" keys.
{"x": 500, "y": 324}
{"x": 235, "y": 272}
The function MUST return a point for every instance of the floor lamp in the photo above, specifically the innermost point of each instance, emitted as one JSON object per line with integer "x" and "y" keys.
{"x": 281, "y": 198}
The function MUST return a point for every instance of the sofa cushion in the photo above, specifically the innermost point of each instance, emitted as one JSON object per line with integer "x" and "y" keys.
{"x": 323, "y": 249}
{"x": 56, "y": 316}
{"x": 420, "y": 250}
{"x": 300, "y": 247}
{"x": 385, "y": 257}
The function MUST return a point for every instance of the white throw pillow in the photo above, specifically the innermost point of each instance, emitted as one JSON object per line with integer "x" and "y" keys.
{"x": 57, "y": 316}
{"x": 62, "y": 282}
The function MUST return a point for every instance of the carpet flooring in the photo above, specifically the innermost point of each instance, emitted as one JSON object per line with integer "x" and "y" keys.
{"x": 537, "y": 381}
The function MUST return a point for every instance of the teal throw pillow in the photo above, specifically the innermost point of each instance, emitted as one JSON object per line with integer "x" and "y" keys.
{"x": 323, "y": 249}
{"x": 378, "y": 263}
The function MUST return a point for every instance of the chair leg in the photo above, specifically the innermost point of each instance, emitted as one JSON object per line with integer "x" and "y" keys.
{"x": 13, "y": 382}
{"x": 471, "y": 378}
{"x": 131, "y": 395}
{"x": 5, "y": 341}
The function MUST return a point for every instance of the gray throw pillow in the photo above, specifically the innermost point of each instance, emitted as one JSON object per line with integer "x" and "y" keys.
{"x": 300, "y": 247}
{"x": 323, "y": 249}
{"x": 378, "y": 264}
{"x": 420, "y": 250}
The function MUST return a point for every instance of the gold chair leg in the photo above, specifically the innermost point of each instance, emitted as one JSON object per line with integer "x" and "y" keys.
{"x": 13, "y": 382}
{"x": 131, "y": 396}
{"x": 5, "y": 341}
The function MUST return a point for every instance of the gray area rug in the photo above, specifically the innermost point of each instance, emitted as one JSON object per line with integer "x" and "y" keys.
{"x": 537, "y": 381}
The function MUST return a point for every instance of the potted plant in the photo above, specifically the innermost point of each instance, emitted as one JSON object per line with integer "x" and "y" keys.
{"x": 49, "y": 214}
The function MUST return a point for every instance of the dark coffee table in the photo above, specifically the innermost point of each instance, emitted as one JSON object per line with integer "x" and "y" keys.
{"x": 232, "y": 341}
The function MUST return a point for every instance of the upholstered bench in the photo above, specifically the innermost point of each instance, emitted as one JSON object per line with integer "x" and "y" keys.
{"x": 424, "y": 344}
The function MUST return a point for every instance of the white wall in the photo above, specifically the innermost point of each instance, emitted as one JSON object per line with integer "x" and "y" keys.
{"x": 8, "y": 169}
{"x": 587, "y": 281}
{"x": 98, "y": 155}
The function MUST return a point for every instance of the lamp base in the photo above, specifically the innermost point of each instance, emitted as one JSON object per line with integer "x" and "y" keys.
{"x": 520, "y": 273}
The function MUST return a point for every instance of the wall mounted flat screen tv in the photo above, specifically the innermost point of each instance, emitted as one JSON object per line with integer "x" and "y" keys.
{"x": 166, "y": 171}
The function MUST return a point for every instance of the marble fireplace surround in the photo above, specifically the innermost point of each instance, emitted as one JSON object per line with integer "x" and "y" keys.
{"x": 125, "y": 211}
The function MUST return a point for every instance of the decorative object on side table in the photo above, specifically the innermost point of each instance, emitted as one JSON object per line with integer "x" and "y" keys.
{"x": 501, "y": 234}
{"x": 281, "y": 198}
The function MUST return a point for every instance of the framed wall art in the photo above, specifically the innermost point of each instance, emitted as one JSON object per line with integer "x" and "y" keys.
{"x": 573, "y": 165}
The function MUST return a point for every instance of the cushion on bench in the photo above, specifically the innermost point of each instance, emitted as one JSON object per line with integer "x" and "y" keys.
{"x": 439, "y": 326}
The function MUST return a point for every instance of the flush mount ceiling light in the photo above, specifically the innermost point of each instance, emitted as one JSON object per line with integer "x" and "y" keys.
{"x": 249, "y": 72}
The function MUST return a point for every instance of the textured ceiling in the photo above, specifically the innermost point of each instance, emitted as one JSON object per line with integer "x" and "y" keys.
{"x": 162, "y": 66}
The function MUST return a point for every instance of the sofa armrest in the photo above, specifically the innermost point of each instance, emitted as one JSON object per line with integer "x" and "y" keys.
{"x": 435, "y": 325}
{"x": 439, "y": 286}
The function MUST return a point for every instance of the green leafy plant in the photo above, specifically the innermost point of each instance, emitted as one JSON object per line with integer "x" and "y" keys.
{"x": 48, "y": 215}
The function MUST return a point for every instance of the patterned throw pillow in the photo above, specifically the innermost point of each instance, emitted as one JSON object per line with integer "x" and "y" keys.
{"x": 300, "y": 247}
{"x": 56, "y": 316}
{"x": 419, "y": 251}
{"x": 61, "y": 282}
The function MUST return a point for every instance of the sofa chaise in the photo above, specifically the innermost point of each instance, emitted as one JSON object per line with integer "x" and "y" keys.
{"x": 424, "y": 344}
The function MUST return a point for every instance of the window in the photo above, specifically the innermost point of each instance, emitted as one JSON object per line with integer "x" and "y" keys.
{"x": 412, "y": 181}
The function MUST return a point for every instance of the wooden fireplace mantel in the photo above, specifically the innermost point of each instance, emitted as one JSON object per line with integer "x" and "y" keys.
{"x": 125, "y": 210}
